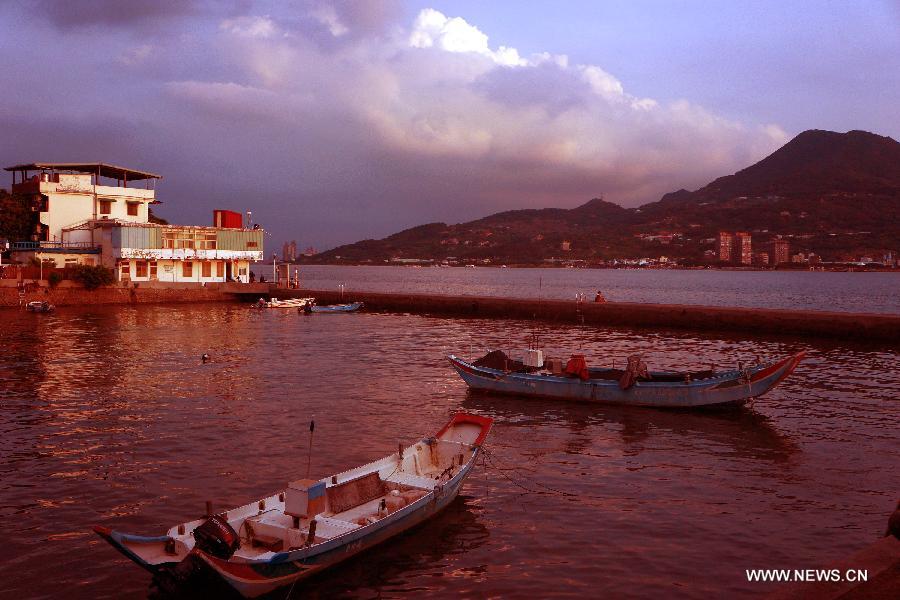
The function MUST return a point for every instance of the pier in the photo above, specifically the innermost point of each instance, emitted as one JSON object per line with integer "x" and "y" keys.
{"x": 866, "y": 327}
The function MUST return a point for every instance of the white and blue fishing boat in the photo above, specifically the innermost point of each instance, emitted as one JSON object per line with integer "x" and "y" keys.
{"x": 337, "y": 308}
{"x": 631, "y": 386}
{"x": 312, "y": 525}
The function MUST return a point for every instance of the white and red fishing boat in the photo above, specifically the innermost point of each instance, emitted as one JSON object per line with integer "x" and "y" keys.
{"x": 312, "y": 525}
{"x": 634, "y": 385}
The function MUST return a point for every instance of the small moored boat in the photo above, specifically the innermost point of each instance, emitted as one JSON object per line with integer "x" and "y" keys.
{"x": 337, "y": 308}
{"x": 287, "y": 303}
{"x": 39, "y": 306}
{"x": 311, "y": 525}
{"x": 631, "y": 386}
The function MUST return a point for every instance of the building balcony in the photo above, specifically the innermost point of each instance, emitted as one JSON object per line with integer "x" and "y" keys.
{"x": 189, "y": 254}
{"x": 76, "y": 187}
{"x": 56, "y": 246}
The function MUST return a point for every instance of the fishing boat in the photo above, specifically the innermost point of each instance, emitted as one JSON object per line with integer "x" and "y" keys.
{"x": 312, "y": 525}
{"x": 39, "y": 306}
{"x": 634, "y": 385}
{"x": 337, "y": 308}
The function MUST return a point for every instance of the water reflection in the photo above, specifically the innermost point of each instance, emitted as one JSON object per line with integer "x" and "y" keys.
{"x": 108, "y": 416}
{"x": 391, "y": 568}
{"x": 745, "y": 432}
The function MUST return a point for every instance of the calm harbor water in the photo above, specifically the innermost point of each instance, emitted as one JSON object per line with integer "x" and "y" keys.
{"x": 107, "y": 416}
{"x": 802, "y": 290}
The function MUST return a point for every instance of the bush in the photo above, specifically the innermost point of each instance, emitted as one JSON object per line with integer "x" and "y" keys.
{"x": 54, "y": 278}
{"x": 92, "y": 277}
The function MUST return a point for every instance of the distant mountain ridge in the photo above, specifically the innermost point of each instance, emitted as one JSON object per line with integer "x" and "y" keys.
{"x": 834, "y": 193}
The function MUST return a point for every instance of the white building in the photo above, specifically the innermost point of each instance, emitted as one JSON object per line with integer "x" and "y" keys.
{"x": 95, "y": 214}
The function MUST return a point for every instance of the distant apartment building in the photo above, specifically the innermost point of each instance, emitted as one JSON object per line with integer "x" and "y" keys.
{"x": 95, "y": 214}
{"x": 781, "y": 250}
{"x": 726, "y": 243}
{"x": 743, "y": 248}
{"x": 735, "y": 248}
{"x": 289, "y": 251}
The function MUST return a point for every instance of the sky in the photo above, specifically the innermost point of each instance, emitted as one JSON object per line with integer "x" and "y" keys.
{"x": 337, "y": 120}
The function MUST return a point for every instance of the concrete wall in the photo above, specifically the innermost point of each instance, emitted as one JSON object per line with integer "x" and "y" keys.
{"x": 66, "y": 209}
{"x": 69, "y": 293}
{"x": 750, "y": 321}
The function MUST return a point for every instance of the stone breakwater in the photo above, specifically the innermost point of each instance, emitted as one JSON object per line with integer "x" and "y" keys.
{"x": 757, "y": 321}
{"x": 70, "y": 294}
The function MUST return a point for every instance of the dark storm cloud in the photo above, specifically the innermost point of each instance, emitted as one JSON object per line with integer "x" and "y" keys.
{"x": 78, "y": 14}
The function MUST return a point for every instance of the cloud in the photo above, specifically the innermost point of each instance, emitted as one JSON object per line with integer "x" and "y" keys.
{"x": 335, "y": 121}
{"x": 249, "y": 26}
{"x": 69, "y": 15}
{"x": 434, "y": 29}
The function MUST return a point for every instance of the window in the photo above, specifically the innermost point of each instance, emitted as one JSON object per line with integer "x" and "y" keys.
{"x": 133, "y": 209}
{"x": 187, "y": 269}
{"x": 206, "y": 269}
{"x": 152, "y": 269}
{"x": 206, "y": 241}
{"x": 220, "y": 268}
{"x": 140, "y": 268}
{"x": 105, "y": 207}
{"x": 251, "y": 244}
{"x": 188, "y": 238}
{"x": 89, "y": 262}
{"x": 126, "y": 269}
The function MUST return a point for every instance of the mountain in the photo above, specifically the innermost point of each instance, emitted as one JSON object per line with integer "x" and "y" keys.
{"x": 833, "y": 193}
{"x": 813, "y": 163}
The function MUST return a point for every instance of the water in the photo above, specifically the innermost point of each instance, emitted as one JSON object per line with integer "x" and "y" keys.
{"x": 107, "y": 416}
{"x": 877, "y": 292}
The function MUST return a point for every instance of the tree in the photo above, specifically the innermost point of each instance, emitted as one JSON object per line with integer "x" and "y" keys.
{"x": 16, "y": 219}
{"x": 94, "y": 276}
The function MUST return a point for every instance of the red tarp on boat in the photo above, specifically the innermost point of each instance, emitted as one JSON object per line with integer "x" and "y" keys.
{"x": 577, "y": 367}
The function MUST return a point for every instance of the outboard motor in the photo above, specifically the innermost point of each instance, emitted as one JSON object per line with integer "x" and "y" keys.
{"x": 217, "y": 538}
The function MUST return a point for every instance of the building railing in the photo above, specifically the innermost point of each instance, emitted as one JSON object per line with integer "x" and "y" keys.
{"x": 147, "y": 225}
{"x": 52, "y": 245}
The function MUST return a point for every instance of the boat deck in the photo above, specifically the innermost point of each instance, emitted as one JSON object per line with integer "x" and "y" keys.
{"x": 266, "y": 531}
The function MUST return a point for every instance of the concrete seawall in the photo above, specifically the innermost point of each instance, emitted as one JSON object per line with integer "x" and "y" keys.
{"x": 68, "y": 293}
{"x": 838, "y": 325}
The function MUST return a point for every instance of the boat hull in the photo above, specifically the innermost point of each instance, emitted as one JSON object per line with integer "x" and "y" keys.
{"x": 255, "y": 579}
{"x": 732, "y": 388}
{"x": 338, "y": 308}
